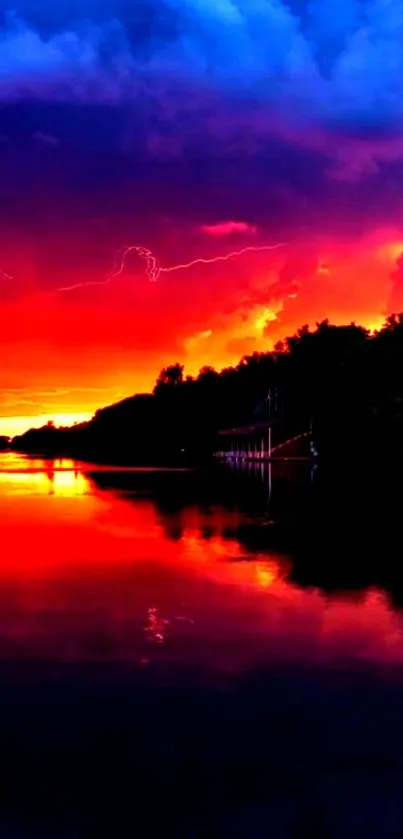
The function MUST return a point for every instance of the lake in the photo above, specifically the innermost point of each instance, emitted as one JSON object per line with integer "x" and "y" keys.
{"x": 212, "y": 653}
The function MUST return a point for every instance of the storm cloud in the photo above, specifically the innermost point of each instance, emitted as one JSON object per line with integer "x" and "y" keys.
{"x": 337, "y": 69}
{"x": 192, "y": 127}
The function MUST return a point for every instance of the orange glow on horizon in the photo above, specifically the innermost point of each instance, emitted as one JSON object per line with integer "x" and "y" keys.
{"x": 12, "y": 426}
{"x": 68, "y": 355}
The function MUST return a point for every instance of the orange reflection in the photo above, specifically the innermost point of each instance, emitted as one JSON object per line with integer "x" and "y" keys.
{"x": 69, "y": 483}
{"x": 57, "y": 477}
{"x": 227, "y": 561}
{"x": 266, "y": 574}
{"x": 93, "y": 573}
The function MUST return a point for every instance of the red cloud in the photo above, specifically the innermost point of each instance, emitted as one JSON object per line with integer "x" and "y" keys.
{"x": 227, "y": 228}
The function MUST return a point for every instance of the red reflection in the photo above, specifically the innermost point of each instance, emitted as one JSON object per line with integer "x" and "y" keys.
{"x": 87, "y": 574}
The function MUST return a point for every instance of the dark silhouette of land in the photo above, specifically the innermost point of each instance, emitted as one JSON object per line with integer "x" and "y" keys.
{"x": 342, "y": 381}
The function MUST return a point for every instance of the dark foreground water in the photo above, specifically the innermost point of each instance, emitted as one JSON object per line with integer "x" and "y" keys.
{"x": 200, "y": 655}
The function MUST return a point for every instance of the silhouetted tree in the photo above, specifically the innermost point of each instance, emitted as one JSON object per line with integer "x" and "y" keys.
{"x": 171, "y": 376}
{"x": 345, "y": 382}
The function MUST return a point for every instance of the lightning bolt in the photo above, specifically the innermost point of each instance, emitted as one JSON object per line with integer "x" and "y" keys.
{"x": 223, "y": 257}
{"x": 154, "y": 269}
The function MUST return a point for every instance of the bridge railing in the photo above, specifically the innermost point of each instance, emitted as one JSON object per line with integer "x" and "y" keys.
{"x": 265, "y": 451}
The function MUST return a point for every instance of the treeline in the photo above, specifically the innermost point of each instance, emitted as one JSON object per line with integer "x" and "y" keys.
{"x": 347, "y": 383}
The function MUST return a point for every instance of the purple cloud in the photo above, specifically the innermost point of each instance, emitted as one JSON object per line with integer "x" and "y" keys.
{"x": 228, "y": 228}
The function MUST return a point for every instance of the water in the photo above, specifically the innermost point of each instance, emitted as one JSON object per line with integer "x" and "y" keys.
{"x": 228, "y": 645}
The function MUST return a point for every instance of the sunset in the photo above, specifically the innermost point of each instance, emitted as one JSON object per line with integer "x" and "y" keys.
{"x": 201, "y": 419}
{"x": 188, "y": 131}
{"x": 69, "y": 353}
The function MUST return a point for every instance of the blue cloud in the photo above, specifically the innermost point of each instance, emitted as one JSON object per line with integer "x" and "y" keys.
{"x": 346, "y": 59}
{"x": 237, "y": 70}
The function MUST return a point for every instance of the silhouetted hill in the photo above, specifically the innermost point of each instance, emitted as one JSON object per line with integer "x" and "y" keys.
{"x": 4, "y": 443}
{"x": 343, "y": 381}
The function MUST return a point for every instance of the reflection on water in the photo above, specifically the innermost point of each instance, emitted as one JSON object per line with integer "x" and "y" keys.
{"x": 146, "y": 569}
{"x": 53, "y": 477}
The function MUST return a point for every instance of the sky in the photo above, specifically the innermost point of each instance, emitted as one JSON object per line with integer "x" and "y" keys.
{"x": 192, "y": 129}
